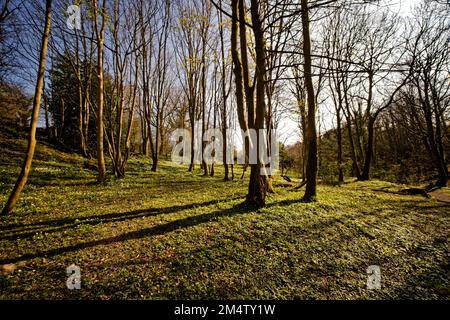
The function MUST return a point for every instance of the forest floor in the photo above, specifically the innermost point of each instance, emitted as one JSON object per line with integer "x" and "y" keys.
{"x": 442, "y": 196}
{"x": 173, "y": 234}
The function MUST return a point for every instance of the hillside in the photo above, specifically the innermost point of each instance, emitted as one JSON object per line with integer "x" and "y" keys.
{"x": 172, "y": 234}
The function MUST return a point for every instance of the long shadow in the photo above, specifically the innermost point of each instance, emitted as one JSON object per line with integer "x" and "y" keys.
{"x": 82, "y": 183}
{"x": 344, "y": 219}
{"x": 30, "y": 232}
{"x": 431, "y": 279}
{"x": 45, "y": 179}
{"x": 417, "y": 204}
{"x": 69, "y": 223}
{"x": 139, "y": 234}
{"x": 111, "y": 216}
{"x": 402, "y": 194}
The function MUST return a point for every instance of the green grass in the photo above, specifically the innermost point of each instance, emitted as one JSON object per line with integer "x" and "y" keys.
{"x": 173, "y": 234}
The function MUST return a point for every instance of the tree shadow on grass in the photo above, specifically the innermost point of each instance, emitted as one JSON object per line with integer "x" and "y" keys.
{"x": 139, "y": 234}
{"x": 405, "y": 204}
{"x": 56, "y": 182}
{"x": 18, "y": 231}
{"x": 433, "y": 280}
{"x": 423, "y": 207}
{"x": 405, "y": 278}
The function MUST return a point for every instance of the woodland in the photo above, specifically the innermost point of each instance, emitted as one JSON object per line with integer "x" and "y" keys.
{"x": 349, "y": 99}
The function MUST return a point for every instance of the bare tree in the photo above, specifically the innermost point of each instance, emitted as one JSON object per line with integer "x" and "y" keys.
{"x": 188, "y": 48}
{"x": 100, "y": 34}
{"x": 224, "y": 92}
{"x": 427, "y": 97}
{"x": 252, "y": 114}
{"x": 23, "y": 176}
{"x": 311, "y": 133}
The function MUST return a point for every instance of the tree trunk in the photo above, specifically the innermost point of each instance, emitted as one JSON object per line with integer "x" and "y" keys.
{"x": 350, "y": 138}
{"x": 100, "y": 40}
{"x": 224, "y": 99}
{"x": 191, "y": 164}
{"x": 47, "y": 122}
{"x": 311, "y": 134}
{"x": 237, "y": 70}
{"x": 369, "y": 150}
{"x": 61, "y": 119}
{"x": 23, "y": 176}
{"x": 258, "y": 178}
{"x": 339, "y": 142}
{"x": 248, "y": 87}
{"x": 432, "y": 136}
{"x": 82, "y": 141}
{"x": 203, "y": 85}
{"x": 154, "y": 164}
{"x": 119, "y": 122}
{"x": 86, "y": 124}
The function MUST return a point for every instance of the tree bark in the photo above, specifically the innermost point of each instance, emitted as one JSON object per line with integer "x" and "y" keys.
{"x": 339, "y": 143}
{"x": 224, "y": 98}
{"x": 100, "y": 44}
{"x": 23, "y": 176}
{"x": 311, "y": 134}
{"x": 258, "y": 185}
{"x": 368, "y": 152}
{"x": 237, "y": 70}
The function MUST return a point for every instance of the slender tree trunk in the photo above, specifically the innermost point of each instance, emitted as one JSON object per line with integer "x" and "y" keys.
{"x": 192, "y": 123}
{"x": 86, "y": 124}
{"x": 155, "y": 147}
{"x": 238, "y": 77}
{"x": 77, "y": 69}
{"x": 82, "y": 141}
{"x": 248, "y": 86}
{"x": 311, "y": 134}
{"x": 215, "y": 110}
{"x": 87, "y": 67}
{"x": 119, "y": 67}
{"x": 350, "y": 138}
{"x": 339, "y": 142}
{"x": 144, "y": 137}
{"x": 100, "y": 40}
{"x": 47, "y": 122}
{"x": 203, "y": 143}
{"x": 338, "y": 102}
{"x": 224, "y": 99}
{"x": 203, "y": 85}
{"x": 119, "y": 122}
{"x": 23, "y": 176}
{"x": 369, "y": 150}
{"x": 439, "y": 148}
{"x": 61, "y": 118}
{"x": 155, "y": 152}
{"x": 303, "y": 121}
{"x": 131, "y": 113}
{"x": 144, "y": 77}
{"x": 269, "y": 131}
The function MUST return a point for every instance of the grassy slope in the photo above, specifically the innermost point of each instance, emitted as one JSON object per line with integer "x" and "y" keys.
{"x": 177, "y": 235}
